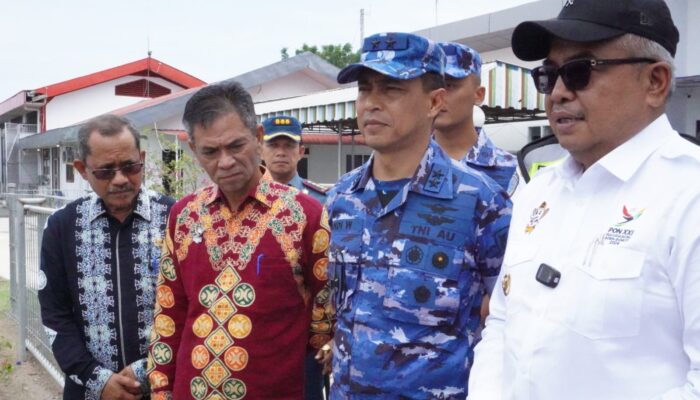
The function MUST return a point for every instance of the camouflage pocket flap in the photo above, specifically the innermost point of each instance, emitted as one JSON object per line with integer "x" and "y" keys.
{"x": 421, "y": 297}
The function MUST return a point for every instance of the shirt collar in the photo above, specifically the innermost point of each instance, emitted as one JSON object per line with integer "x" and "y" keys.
{"x": 627, "y": 158}
{"x": 259, "y": 192}
{"x": 143, "y": 206}
{"x": 483, "y": 151}
{"x": 433, "y": 176}
{"x": 296, "y": 182}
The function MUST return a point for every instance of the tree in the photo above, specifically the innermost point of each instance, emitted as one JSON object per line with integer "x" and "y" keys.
{"x": 339, "y": 55}
{"x": 171, "y": 169}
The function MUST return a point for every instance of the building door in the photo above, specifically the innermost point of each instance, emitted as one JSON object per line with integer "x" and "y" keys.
{"x": 55, "y": 170}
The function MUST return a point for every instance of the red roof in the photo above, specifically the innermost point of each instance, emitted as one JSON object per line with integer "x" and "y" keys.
{"x": 154, "y": 67}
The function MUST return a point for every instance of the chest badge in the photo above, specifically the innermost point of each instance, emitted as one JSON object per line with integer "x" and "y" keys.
{"x": 197, "y": 234}
{"x": 536, "y": 216}
{"x": 630, "y": 214}
{"x": 621, "y": 232}
{"x": 506, "y": 284}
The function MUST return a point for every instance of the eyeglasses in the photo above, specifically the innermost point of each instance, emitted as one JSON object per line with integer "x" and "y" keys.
{"x": 106, "y": 174}
{"x": 575, "y": 74}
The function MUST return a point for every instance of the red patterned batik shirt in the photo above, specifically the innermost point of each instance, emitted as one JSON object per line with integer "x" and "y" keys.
{"x": 241, "y": 296}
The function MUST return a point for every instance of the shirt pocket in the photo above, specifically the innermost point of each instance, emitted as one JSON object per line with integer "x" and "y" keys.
{"x": 429, "y": 293}
{"x": 275, "y": 281}
{"x": 608, "y": 294}
{"x": 518, "y": 281}
{"x": 345, "y": 254}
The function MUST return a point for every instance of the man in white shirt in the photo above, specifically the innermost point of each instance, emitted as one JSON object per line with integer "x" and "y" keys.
{"x": 599, "y": 293}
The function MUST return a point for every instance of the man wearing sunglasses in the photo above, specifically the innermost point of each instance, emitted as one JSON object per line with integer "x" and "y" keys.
{"x": 600, "y": 287}
{"x": 98, "y": 269}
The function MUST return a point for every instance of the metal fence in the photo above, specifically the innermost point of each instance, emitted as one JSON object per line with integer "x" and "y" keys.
{"x": 28, "y": 217}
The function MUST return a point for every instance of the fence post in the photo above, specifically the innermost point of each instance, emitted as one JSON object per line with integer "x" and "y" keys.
{"x": 11, "y": 208}
{"x": 20, "y": 262}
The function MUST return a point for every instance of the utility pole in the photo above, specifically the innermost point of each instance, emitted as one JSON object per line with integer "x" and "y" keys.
{"x": 436, "y": 12}
{"x": 362, "y": 26}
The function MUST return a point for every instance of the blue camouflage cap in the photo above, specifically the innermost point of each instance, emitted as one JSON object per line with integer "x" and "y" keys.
{"x": 398, "y": 55}
{"x": 461, "y": 61}
{"x": 282, "y": 126}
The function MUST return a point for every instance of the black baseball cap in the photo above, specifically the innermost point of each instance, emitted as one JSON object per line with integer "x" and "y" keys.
{"x": 595, "y": 20}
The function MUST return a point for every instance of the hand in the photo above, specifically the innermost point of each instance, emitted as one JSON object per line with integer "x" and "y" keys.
{"x": 120, "y": 387}
{"x": 485, "y": 309}
{"x": 324, "y": 357}
{"x": 129, "y": 373}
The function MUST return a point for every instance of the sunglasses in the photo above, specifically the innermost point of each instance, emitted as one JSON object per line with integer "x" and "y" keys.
{"x": 107, "y": 174}
{"x": 576, "y": 74}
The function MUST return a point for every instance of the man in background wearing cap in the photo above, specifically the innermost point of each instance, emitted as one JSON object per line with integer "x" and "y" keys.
{"x": 414, "y": 238}
{"x": 455, "y": 131}
{"x": 600, "y": 286}
{"x": 281, "y": 152}
{"x": 454, "y": 126}
{"x": 282, "y": 149}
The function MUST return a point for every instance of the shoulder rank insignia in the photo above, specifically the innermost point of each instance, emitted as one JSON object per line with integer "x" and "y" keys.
{"x": 314, "y": 186}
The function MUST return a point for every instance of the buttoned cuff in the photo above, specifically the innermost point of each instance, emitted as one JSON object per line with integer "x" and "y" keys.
{"x": 96, "y": 383}
{"x": 139, "y": 368}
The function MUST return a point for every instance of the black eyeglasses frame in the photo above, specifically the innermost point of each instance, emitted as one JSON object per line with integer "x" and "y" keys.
{"x": 574, "y": 82}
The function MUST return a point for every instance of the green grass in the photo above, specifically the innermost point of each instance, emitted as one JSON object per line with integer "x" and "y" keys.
{"x": 4, "y": 297}
{"x": 6, "y": 366}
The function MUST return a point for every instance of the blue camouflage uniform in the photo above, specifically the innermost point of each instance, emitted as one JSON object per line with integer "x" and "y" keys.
{"x": 460, "y": 62}
{"x": 410, "y": 270}
{"x": 495, "y": 162}
{"x": 410, "y": 278}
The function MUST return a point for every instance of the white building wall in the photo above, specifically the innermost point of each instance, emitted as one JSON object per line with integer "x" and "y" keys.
{"x": 512, "y": 136}
{"x": 174, "y": 122}
{"x": 74, "y": 107}
{"x": 79, "y": 187}
{"x": 323, "y": 161}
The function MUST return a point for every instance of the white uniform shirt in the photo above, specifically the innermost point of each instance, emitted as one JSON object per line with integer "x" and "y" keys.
{"x": 624, "y": 320}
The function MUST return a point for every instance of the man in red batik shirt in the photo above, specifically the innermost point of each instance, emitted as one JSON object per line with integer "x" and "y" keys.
{"x": 242, "y": 288}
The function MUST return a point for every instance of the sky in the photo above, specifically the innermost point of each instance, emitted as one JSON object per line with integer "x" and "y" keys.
{"x": 44, "y": 42}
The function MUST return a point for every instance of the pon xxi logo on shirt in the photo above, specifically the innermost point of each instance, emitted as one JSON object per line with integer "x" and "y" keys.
{"x": 621, "y": 232}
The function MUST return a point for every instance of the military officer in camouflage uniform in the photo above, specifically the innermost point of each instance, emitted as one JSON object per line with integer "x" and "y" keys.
{"x": 415, "y": 239}
{"x": 282, "y": 149}
{"x": 454, "y": 126}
